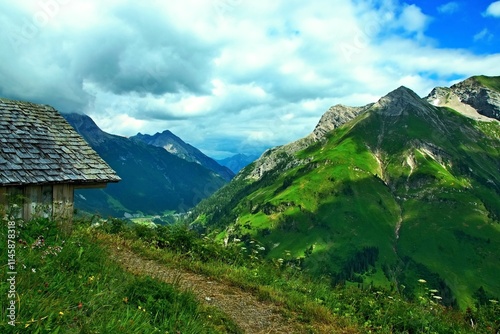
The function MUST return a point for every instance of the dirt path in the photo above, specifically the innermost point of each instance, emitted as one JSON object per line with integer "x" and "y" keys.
{"x": 250, "y": 314}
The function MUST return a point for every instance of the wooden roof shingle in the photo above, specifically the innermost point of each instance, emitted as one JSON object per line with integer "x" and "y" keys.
{"x": 38, "y": 146}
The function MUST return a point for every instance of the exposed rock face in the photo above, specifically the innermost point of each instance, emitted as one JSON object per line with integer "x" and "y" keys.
{"x": 399, "y": 100}
{"x": 284, "y": 157}
{"x": 335, "y": 117}
{"x": 445, "y": 97}
{"x": 393, "y": 104}
{"x": 485, "y": 100}
{"x": 470, "y": 98}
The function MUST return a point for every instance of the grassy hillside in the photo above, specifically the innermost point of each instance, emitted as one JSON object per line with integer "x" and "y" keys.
{"x": 384, "y": 200}
{"x": 69, "y": 285}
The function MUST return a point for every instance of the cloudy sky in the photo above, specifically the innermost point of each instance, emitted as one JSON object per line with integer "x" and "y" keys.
{"x": 233, "y": 76}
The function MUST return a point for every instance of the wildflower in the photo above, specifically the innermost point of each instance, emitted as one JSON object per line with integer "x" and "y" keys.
{"x": 33, "y": 270}
{"x": 39, "y": 242}
{"x": 261, "y": 248}
{"x": 91, "y": 278}
{"x": 61, "y": 313}
{"x": 236, "y": 240}
{"x": 493, "y": 301}
{"x": 433, "y": 290}
{"x": 437, "y": 297}
{"x": 422, "y": 281}
{"x": 125, "y": 300}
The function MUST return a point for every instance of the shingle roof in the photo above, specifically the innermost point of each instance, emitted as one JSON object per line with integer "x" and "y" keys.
{"x": 38, "y": 146}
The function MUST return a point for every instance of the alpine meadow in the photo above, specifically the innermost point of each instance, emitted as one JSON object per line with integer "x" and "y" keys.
{"x": 382, "y": 195}
{"x": 385, "y": 219}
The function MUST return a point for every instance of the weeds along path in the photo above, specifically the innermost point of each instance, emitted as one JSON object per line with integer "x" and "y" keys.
{"x": 250, "y": 314}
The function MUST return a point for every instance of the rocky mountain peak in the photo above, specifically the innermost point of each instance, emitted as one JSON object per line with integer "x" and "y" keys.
{"x": 84, "y": 124}
{"x": 481, "y": 93}
{"x": 335, "y": 117}
{"x": 399, "y": 100}
{"x": 176, "y": 146}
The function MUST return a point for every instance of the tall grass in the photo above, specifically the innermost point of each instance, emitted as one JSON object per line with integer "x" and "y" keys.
{"x": 69, "y": 285}
{"x": 359, "y": 307}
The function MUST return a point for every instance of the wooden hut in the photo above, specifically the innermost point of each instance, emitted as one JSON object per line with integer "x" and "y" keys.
{"x": 42, "y": 160}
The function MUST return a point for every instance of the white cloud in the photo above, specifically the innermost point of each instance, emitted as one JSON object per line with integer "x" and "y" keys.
{"x": 493, "y": 9}
{"x": 484, "y": 34}
{"x": 449, "y": 7}
{"x": 412, "y": 19}
{"x": 224, "y": 75}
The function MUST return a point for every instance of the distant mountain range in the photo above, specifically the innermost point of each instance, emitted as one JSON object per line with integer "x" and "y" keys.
{"x": 238, "y": 162}
{"x": 153, "y": 180}
{"x": 178, "y": 147}
{"x": 397, "y": 191}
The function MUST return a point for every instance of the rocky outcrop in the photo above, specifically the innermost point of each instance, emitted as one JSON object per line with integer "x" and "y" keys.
{"x": 401, "y": 100}
{"x": 284, "y": 156}
{"x": 484, "y": 99}
{"x": 470, "y": 97}
{"x": 445, "y": 97}
{"x": 336, "y": 116}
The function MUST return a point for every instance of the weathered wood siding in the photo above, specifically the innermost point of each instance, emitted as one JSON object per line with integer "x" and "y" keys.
{"x": 63, "y": 206}
{"x": 37, "y": 202}
{"x": 47, "y": 201}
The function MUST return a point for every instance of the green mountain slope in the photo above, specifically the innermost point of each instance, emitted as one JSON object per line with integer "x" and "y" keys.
{"x": 400, "y": 191}
{"x": 153, "y": 180}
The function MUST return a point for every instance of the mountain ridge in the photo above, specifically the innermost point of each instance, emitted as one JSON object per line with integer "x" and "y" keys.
{"x": 175, "y": 145}
{"x": 154, "y": 181}
{"x": 355, "y": 203}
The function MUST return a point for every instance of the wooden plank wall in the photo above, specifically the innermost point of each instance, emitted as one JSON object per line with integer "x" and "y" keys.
{"x": 47, "y": 201}
{"x": 63, "y": 206}
{"x": 38, "y": 202}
